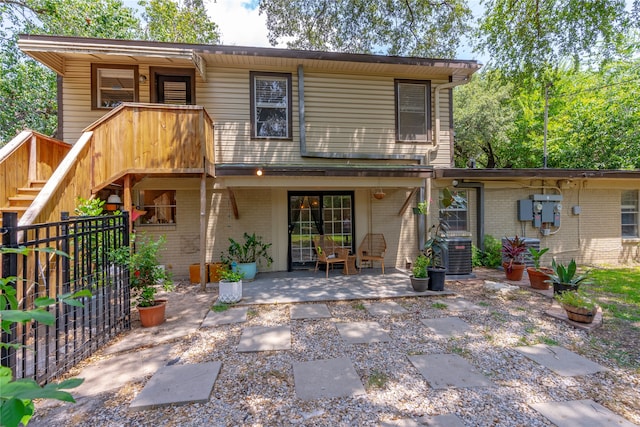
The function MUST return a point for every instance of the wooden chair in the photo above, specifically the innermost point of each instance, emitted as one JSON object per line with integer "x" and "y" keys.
{"x": 328, "y": 252}
{"x": 372, "y": 248}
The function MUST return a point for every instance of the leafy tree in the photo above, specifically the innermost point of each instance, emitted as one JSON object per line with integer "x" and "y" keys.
{"x": 394, "y": 27}
{"x": 529, "y": 39}
{"x": 167, "y": 21}
{"x": 484, "y": 117}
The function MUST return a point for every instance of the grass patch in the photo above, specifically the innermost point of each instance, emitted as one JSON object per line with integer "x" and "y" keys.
{"x": 220, "y": 307}
{"x": 358, "y": 306}
{"x": 484, "y": 304}
{"x": 377, "y": 379}
{"x": 252, "y": 312}
{"x": 617, "y": 291}
{"x": 439, "y": 305}
{"x": 547, "y": 341}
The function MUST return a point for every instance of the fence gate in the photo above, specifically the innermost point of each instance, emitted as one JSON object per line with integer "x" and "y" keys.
{"x": 44, "y": 352}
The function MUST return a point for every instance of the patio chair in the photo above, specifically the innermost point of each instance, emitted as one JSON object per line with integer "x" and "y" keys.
{"x": 328, "y": 252}
{"x": 372, "y": 248}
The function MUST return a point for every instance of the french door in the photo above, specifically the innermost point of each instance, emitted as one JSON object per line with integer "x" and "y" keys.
{"x": 315, "y": 213}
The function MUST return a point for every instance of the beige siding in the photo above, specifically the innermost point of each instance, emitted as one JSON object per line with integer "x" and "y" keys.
{"x": 344, "y": 114}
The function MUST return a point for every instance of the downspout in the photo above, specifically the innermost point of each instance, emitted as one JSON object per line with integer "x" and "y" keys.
{"x": 436, "y": 141}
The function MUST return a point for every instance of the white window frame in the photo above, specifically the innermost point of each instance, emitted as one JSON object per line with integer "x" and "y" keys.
{"x": 454, "y": 209}
{"x": 629, "y": 209}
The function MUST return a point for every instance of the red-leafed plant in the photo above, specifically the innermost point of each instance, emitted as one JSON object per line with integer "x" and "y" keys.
{"x": 514, "y": 251}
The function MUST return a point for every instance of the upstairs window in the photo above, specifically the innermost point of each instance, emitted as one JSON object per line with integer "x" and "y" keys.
{"x": 629, "y": 213}
{"x": 413, "y": 111}
{"x": 112, "y": 85}
{"x": 270, "y": 105}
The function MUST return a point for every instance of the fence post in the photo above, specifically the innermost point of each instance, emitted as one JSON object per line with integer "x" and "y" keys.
{"x": 9, "y": 269}
{"x": 66, "y": 260}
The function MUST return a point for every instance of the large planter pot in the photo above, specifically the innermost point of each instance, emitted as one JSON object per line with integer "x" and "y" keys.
{"x": 229, "y": 292}
{"x": 214, "y": 271}
{"x": 538, "y": 278}
{"x": 579, "y": 314}
{"x": 248, "y": 269}
{"x": 562, "y": 287}
{"x": 436, "y": 278}
{"x": 513, "y": 272}
{"x": 419, "y": 284}
{"x": 154, "y": 315}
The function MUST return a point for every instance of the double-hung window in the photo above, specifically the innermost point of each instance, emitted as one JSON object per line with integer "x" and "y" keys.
{"x": 413, "y": 111}
{"x": 113, "y": 84}
{"x": 270, "y": 105}
{"x": 629, "y": 213}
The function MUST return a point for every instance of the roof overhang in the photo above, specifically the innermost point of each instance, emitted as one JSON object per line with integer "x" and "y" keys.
{"x": 52, "y": 51}
{"x": 518, "y": 174}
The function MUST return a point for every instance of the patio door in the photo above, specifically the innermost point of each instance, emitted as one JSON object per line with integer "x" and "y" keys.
{"x": 315, "y": 213}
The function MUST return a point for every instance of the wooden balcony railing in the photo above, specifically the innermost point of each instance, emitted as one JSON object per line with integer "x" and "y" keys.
{"x": 139, "y": 139}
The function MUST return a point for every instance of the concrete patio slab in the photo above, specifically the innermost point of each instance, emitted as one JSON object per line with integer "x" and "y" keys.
{"x": 447, "y": 420}
{"x": 178, "y": 384}
{"x": 309, "y": 286}
{"x": 310, "y": 311}
{"x": 362, "y": 332}
{"x": 580, "y": 413}
{"x": 448, "y": 370}
{"x": 265, "y": 338}
{"x": 460, "y": 304}
{"x": 446, "y": 327}
{"x": 227, "y": 317}
{"x": 560, "y": 360}
{"x": 387, "y": 308}
{"x": 329, "y": 378}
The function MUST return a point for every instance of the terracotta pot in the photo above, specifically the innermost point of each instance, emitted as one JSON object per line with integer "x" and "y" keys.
{"x": 154, "y": 315}
{"x": 214, "y": 271}
{"x": 579, "y": 314}
{"x": 514, "y": 272}
{"x": 537, "y": 277}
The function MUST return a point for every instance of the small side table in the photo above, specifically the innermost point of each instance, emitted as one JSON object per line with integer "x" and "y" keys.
{"x": 350, "y": 265}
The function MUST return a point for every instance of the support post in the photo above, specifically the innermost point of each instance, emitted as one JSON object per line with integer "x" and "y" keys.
{"x": 203, "y": 230}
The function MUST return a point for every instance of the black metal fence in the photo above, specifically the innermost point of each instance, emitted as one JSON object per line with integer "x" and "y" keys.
{"x": 43, "y": 352}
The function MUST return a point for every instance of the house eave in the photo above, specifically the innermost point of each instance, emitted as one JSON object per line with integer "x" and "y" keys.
{"x": 533, "y": 173}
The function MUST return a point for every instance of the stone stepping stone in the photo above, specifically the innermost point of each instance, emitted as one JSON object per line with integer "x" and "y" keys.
{"x": 328, "y": 378}
{"x": 446, "y": 327}
{"x": 310, "y": 311}
{"x": 178, "y": 384}
{"x": 446, "y": 420}
{"x": 560, "y": 360}
{"x": 265, "y": 338}
{"x": 227, "y": 317}
{"x": 387, "y": 308}
{"x": 460, "y": 304}
{"x": 362, "y": 332}
{"x": 448, "y": 370}
{"x": 580, "y": 413}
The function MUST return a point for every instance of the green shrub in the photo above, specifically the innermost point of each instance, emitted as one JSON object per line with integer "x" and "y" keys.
{"x": 491, "y": 256}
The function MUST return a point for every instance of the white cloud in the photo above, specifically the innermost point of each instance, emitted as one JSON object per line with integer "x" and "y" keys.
{"x": 239, "y": 25}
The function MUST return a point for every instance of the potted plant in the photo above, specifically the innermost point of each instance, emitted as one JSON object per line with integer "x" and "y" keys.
{"x": 145, "y": 274}
{"x": 247, "y": 255}
{"x": 578, "y": 306}
{"x": 565, "y": 277}
{"x": 538, "y": 276}
{"x": 419, "y": 278}
{"x": 513, "y": 254}
{"x": 230, "y": 286}
{"x": 436, "y": 249}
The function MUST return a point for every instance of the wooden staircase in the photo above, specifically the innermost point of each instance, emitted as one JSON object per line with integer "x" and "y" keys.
{"x": 23, "y": 199}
